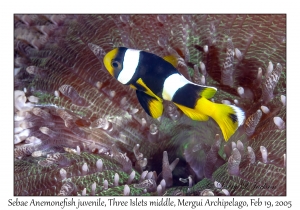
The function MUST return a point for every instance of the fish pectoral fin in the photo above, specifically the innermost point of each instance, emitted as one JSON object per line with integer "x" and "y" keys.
{"x": 132, "y": 86}
{"x": 192, "y": 113}
{"x": 151, "y": 105}
{"x": 147, "y": 90}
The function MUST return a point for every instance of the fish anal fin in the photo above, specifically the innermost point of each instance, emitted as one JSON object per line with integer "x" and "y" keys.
{"x": 151, "y": 105}
{"x": 192, "y": 113}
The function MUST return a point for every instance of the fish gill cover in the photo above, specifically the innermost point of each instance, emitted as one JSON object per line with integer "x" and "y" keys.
{"x": 80, "y": 132}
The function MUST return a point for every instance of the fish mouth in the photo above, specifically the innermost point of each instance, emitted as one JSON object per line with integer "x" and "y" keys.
{"x": 107, "y": 60}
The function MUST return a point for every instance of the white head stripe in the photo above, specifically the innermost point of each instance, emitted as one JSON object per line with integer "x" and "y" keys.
{"x": 172, "y": 84}
{"x": 130, "y": 63}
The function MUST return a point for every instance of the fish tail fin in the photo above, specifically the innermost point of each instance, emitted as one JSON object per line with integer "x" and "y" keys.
{"x": 198, "y": 107}
{"x": 228, "y": 117}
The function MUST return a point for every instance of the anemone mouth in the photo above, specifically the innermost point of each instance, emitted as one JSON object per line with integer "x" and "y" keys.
{"x": 78, "y": 131}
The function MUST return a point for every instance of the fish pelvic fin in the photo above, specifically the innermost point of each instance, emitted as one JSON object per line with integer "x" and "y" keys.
{"x": 151, "y": 105}
{"x": 228, "y": 117}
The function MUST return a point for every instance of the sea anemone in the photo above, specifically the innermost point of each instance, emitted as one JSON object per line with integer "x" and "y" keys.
{"x": 80, "y": 132}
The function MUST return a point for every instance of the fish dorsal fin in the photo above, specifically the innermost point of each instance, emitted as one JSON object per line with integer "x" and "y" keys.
{"x": 208, "y": 92}
{"x": 151, "y": 105}
{"x": 171, "y": 59}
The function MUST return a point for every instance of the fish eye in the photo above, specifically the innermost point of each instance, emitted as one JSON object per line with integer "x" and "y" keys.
{"x": 116, "y": 64}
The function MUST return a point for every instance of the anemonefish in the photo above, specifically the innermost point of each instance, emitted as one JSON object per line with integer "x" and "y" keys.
{"x": 156, "y": 79}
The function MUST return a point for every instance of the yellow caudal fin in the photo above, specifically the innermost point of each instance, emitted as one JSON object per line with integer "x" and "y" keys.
{"x": 228, "y": 117}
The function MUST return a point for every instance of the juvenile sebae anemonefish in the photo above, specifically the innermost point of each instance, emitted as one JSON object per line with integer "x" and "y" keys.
{"x": 156, "y": 79}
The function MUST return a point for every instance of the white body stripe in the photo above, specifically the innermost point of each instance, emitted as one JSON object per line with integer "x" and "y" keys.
{"x": 130, "y": 63}
{"x": 172, "y": 84}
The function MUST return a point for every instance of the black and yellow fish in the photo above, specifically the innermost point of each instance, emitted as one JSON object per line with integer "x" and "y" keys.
{"x": 156, "y": 79}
